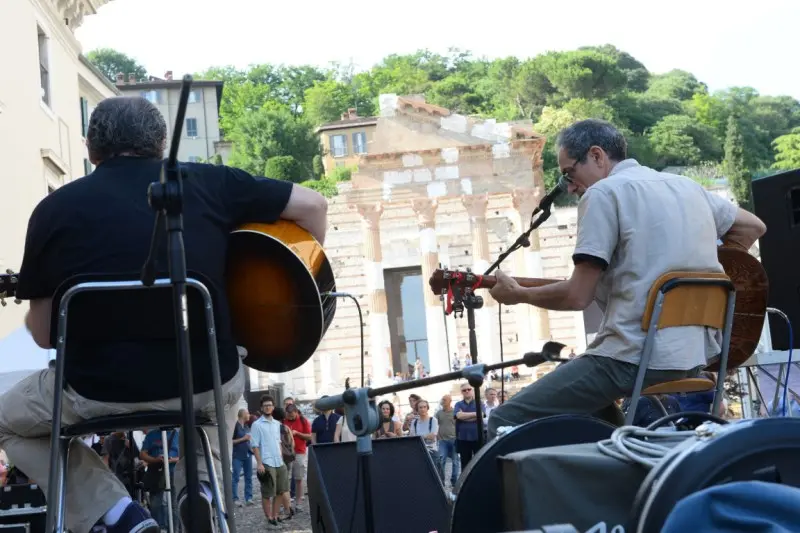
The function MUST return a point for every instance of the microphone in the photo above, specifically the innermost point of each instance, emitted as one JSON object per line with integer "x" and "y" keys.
{"x": 547, "y": 201}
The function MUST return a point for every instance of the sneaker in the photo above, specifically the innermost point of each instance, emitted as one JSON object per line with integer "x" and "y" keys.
{"x": 204, "y": 517}
{"x": 135, "y": 519}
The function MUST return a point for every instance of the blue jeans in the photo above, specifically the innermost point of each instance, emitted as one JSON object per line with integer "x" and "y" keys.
{"x": 245, "y": 465}
{"x": 447, "y": 449}
{"x": 160, "y": 511}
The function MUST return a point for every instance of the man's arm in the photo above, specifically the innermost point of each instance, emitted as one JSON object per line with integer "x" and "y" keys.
{"x": 309, "y": 210}
{"x": 745, "y": 231}
{"x": 37, "y": 320}
{"x": 574, "y": 294}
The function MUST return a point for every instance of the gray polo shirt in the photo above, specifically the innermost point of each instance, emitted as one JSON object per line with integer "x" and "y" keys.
{"x": 644, "y": 223}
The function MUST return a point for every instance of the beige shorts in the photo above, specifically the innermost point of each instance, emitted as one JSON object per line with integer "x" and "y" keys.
{"x": 299, "y": 466}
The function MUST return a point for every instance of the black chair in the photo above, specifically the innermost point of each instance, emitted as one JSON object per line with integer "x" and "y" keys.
{"x": 140, "y": 313}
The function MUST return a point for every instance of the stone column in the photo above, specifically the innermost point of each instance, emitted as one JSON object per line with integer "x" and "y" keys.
{"x": 533, "y": 324}
{"x": 425, "y": 209}
{"x": 451, "y": 337}
{"x": 376, "y": 294}
{"x": 486, "y": 317}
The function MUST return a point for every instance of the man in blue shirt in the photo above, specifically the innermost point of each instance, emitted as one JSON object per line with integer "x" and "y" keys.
{"x": 265, "y": 442}
{"x": 241, "y": 458}
{"x": 153, "y": 454}
{"x": 466, "y": 425}
{"x": 324, "y": 427}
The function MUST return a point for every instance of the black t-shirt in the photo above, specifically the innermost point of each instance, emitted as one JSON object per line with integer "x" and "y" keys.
{"x": 102, "y": 224}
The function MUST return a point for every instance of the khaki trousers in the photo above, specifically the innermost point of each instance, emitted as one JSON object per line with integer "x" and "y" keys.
{"x": 589, "y": 384}
{"x": 92, "y": 489}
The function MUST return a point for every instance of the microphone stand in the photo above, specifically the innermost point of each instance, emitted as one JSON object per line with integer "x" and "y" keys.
{"x": 467, "y": 299}
{"x": 362, "y": 415}
{"x": 166, "y": 199}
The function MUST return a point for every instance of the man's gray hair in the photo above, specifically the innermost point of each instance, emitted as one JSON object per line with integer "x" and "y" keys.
{"x": 581, "y": 136}
{"x": 126, "y": 124}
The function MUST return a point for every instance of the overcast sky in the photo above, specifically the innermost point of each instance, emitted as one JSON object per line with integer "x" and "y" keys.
{"x": 723, "y": 45}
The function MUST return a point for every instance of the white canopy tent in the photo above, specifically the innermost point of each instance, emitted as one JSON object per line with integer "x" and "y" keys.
{"x": 20, "y": 357}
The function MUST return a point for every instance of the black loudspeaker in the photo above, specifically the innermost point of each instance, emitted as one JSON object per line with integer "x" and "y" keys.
{"x": 776, "y": 201}
{"x": 402, "y": 473}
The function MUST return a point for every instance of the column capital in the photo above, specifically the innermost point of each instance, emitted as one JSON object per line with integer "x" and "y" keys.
{"x": 425, "y": 209}
{"x": 526, "y": 200}
{"x": 475, "y": 204}
{"x": 370, "y": 213}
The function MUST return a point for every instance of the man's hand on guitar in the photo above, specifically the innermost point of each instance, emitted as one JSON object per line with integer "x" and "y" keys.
{"x": 506, "y": 290}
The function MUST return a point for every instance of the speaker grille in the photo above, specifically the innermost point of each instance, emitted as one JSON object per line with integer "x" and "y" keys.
{"x": 407, "y": 495}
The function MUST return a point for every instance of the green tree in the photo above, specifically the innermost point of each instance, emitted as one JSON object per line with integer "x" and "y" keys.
{"x": 682, "y": 140}
{"x": 787, "y": 151}
{"x": 283, "y": 167}
{"x": 326, "y": 100}
{"x": 273, "y": 131}
{"x": 325, "y": 186}
{"x": 111, "y": 62}
{"x": 317, "y": 168}
{"x": 675, "y": 84}
{"x": 734, "y": 165}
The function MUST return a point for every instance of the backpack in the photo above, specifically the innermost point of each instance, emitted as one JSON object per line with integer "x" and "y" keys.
{"x": 430, "y": 425}
{"x": 287, "y": 445}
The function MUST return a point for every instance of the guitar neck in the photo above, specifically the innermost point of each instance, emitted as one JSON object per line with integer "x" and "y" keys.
{"x": 487, "y": 282}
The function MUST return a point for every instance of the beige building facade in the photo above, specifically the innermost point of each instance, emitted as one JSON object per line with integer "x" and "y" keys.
{"x": 201, "y": 137}
{"x": 435, "y": 188}
{"x": 345, "y": 141}
{"x": 47, "y": 92}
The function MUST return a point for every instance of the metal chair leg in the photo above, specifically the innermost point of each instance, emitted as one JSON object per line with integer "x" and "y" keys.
{"x": 216, "y": 494}
{"x": 57, "y": 494}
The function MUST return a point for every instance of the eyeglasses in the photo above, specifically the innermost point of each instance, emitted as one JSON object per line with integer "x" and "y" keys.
{"x": 565, "y": 174}
{"x": 466, "y": 390}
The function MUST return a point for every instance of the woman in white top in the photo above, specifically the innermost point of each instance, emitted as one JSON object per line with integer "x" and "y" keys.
{"x": 425, "y": 426}
{"x": 343, "y": 433}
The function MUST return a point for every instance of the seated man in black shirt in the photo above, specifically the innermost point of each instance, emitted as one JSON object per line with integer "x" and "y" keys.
{"x": 102, "y": 224}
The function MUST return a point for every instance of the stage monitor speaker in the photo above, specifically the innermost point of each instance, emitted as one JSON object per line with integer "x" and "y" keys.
{"x": 776, "y": 201}
{"x": 402, "y": 474}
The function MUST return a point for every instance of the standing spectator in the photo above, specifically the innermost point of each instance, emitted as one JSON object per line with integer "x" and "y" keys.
{"x": 154, "y": 479}
{"x": 301, "y": 430}
{"x": 466, "y": 425}
{"x": 324, "y": 427}
{"x": 242, "y": 462}
{"x": 265, "y": 442}
{"x": 389, "y": 427}
{"x": 120, "y": 454}
{"x": 447, "y": 440}
{"x": 427, "y": 427}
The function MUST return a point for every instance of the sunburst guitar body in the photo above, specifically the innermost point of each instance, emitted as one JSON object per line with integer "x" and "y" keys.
{"x": 278, "y": 276}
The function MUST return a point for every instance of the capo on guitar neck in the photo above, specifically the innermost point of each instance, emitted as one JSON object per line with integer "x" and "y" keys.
{"x": 460, "y": 287}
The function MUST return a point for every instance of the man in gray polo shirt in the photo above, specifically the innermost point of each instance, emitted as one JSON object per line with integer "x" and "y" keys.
{"x": 634, "y": 224}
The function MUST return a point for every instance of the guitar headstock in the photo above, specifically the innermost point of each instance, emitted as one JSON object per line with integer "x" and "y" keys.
{"x": 444, "y": 279}
{"x": 454, "y": 286}
{"x": 8, "y": 287}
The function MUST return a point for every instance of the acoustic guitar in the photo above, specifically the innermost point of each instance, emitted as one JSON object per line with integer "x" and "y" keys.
{"x": 744, "y": 270}
{"x": 278, "y": 276}
{"x": 277, "y": 279}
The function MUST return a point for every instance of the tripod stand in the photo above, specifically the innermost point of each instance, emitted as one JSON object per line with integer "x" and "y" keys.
{"x": 166, "y": 199}
{"x": 362, "y": 415}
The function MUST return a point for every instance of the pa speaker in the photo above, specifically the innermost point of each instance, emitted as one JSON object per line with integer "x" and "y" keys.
{"x": 776, "y": 201}
{"x": 401, "y": 471}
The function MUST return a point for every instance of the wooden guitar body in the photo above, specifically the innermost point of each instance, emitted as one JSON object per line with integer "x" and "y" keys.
{"x": 277, "y": 275}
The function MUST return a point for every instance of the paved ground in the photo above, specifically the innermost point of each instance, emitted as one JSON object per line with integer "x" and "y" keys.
{"x": 250, "y": 519}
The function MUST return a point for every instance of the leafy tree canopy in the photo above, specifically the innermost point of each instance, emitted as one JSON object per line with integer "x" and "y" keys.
{"x": 670, "y": 119}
